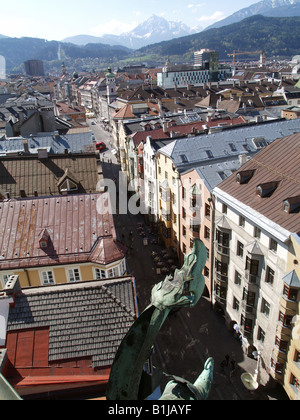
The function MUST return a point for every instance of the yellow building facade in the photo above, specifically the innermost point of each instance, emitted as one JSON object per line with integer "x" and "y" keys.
{"x": 168, "y": 181}
{"x": 55, "y": 240}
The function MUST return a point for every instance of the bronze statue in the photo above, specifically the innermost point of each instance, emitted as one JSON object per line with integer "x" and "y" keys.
{"x": 127, "y": 379}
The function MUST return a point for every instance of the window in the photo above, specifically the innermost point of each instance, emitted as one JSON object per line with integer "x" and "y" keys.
{"x": 281, "y": 344}
{"x": 242, "y": 221}
{"x": 184, "y": 231}
{"x": 277, "y": 367}
{"x": 74, "y": 275}
{"x": 237, "y": 278}
{"x": 222, "y": 239}
{"x": 113, "y": 272}
{"x": 222, "y": 175}
{"x": 236, "y": 304}
{"x": 100, "y": 274}
{"x": 265, "y": 308}
{"x": 249, "y": 297}
{"x": 247, "y": 323}
{"x": 290, "y": 294}
{"x": 252, "y": 270}
{"x": 206, "y": 232}
{"x": 261, "y": 334}
{"x": 295, "y": 382}
{"x": 209, "y": 154}
{"x": 273, "y": 245}
{"x": 270, "y": 274}
{"x": 47, "y": 278}
{"x": 285, "y": 320}
{"x": 207, "y": 210}
{"x": 224, "y": 209}
{"x": 240, "y": 249}
{"x": 297, "y": 357}
{"x": 257, "y": 232}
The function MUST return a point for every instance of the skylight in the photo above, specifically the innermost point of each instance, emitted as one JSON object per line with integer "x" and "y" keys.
{"x": 183, "y": 158}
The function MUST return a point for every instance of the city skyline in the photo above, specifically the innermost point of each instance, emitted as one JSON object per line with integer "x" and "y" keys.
{"x": 59, "y": 20}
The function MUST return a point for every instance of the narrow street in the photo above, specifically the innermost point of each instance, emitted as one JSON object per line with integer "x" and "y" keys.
{"x": 190, "y": 336}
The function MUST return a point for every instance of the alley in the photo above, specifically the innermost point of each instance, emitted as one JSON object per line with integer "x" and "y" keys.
{"x": 190, "y": 336}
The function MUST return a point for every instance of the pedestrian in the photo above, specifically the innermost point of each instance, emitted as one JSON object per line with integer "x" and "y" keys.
{"x": 227, "y": 360}
{"x": 233, "y": 363}
{"x": 223, "y": 363}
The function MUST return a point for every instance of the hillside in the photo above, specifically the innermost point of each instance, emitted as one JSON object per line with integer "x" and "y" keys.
{"x": 18, "y": 50}
{"x": 276, "y": 36}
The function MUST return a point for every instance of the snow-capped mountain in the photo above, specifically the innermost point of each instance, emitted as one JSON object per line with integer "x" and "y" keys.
{"x": 155, "y": 29}
{"x": 269, "y": 8}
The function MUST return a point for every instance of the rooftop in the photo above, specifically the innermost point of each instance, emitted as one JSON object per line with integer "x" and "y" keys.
{"x": 76, "y": 231}
{"x": 190, "y": 152}
{"x": 77, "y": 142}
{"x": 68, "y": 333}
{"x": 271, "y": 185}
{"x": 46, "y": 176}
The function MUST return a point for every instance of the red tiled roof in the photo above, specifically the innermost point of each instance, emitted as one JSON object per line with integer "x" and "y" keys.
{"x": 184, "y": 129}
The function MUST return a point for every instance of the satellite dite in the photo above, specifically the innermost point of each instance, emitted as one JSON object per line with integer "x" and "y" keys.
{"x": 2, "y": 68}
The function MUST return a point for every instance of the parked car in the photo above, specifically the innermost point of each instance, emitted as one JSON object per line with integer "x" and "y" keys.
{"x": 100, "y": 146}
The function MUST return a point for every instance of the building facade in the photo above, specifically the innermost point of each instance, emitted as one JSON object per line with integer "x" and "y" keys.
{"x": 56, "y": 240}
{"x": 256, "y": 213}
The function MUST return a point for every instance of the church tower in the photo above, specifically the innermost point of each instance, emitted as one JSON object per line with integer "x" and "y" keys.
{"x": 111, "y": 88}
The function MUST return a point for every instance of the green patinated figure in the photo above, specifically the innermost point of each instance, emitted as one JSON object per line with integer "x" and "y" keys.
{"x": 127, "y": 372}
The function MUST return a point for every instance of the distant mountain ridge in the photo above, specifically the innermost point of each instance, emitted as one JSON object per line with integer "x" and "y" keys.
{"x": 155, "y": 29}
{"x": 269, "y": 8}
{"x": 273, "y": 35}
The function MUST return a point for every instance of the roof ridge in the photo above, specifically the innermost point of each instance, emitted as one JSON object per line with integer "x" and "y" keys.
{"x": 118, "y": 301}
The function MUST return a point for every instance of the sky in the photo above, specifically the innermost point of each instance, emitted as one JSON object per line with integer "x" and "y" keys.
{"x": 58, "y": 19}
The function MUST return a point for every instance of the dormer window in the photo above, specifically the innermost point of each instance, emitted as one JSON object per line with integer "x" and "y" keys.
{"x": 68, "y": 183}
{"x": 260, "y": 142}
{"x": 44, "y": 239}
{"x": 292, "y": 205}
{"x": 243, "y": 177}
{"x": 266, "y": 189}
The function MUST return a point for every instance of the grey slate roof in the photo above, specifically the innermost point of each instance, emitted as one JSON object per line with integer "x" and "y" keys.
{"x": 190, "y": 152}
{"x": 84, "y": 319}
{"x": 74, "y": 143}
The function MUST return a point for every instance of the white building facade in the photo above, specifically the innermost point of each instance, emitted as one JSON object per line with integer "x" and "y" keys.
{"x": 251, "y": 254}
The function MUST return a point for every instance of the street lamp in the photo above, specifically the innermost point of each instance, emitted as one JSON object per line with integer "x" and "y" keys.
{"x": 249, "y": 381}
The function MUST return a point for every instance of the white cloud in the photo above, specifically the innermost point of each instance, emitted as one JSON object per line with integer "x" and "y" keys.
{"x": 214, "y": 17}
{"x": 113, "y": 27}
{"x": 196, "y": 6}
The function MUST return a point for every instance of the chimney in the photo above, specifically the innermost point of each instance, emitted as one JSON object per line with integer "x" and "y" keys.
{"x": 243, "y": 159}
{"x": 165, "y": 126}
{"x": 12, "y": 286}
{"x": 25, "y": 145}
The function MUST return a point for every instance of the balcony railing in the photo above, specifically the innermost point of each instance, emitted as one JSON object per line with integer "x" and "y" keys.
{"x": 251, "y": 278}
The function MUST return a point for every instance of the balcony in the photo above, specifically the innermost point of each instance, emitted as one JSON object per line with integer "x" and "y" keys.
{"x": 247, "y": 309}
{"x": 221, "y": 279}
{"x": 251, "y": 278}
